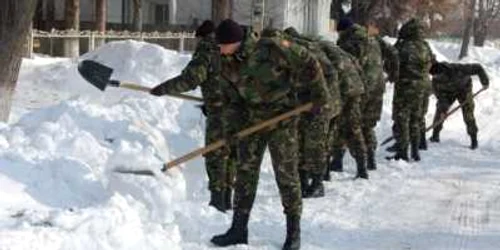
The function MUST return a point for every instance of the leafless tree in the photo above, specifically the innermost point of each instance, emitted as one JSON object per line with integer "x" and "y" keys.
{"x": 15, "y": 22}
{"x": 487, "y": 11}
{"x": 72, "y": 21}
{"x": 468, "y": 28}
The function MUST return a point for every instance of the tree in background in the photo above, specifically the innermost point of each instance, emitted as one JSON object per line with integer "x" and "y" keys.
{"x": 469, "y": 14}
{"x": 221, "y": 9}
{"x": 15, "y": 21}
{"x": 72, "y": 21}
{"x": 137, "y": 22}
{"x": 487, "y": 11}
{"x": 100, "y": 19}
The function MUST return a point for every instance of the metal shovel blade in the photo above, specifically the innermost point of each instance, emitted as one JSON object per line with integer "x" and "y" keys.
{"x": 95, "y": 73}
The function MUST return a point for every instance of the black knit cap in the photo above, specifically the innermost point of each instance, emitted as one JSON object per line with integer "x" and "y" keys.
{"x": 229, "y": 31}
{"x": 344, "y": 23}
{"x": 205, "y": 29}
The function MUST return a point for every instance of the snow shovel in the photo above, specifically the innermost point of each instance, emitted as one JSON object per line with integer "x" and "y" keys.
{"x": 220, "y": 143}
{"x": 99, "y": 75}
{"x": 441, "y": 120}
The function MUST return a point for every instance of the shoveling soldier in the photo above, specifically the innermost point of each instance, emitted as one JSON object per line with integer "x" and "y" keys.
{"x": 203, "y": 70}
{"x": 452, "y": 82}
{"x": 313, "y": 129}
{"x": 268, "y": 77}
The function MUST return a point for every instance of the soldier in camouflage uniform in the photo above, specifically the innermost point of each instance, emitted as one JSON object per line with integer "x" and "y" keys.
{"x": 313, "y": 129}
{"x": 381, "y": 57}
{"x": 451, "y": 82}
{"x": 415, "y": 59}
{"x": 271, "y": 76}
{"x": 354, "y": 40}
{"x": 347, "y": 129}
{"x": 203, "y": 70}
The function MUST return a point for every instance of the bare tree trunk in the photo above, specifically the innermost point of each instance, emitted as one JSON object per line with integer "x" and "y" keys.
{"x": 480, "y": 33}
{"x": 100, "y": 21}
{"x": 258, "y": 15}
{"x": 467, "y": 31}
{"x": 137, "y": 15}
{"x": 480, "y": 24}
{"x": 221, "y": 9}
{"x": 72, "y": 21}
{"x": 51, "y": 15}
{"x": 15, "y": 21}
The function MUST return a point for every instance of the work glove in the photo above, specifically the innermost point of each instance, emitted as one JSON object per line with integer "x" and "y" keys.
{"x": 157, "y": 91}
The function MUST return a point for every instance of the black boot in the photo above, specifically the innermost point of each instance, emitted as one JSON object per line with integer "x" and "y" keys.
{"x": 337, "y": 164}
{"x": 473, "y": 142}
{"x": 423, "y": 142}
{"x": 401, "y": 154}
{"x": 316, "y": 189}
{"x": 392, "y": 148}
{"x": 361, "y": 166}
{"x": 304, "y": 182}
{"x": 229, "y": 198}
{"x": 370, "y": 160}
{"x": 415, "y": 154}
{"x": 237, "y": 234}
{"x": 218, "y": 200}
{"x": 292, "y": 241}
{"x": 327, "y": 176}
{"x": 434, "y": 137}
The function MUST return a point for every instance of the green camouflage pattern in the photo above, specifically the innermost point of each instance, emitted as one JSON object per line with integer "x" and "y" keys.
{"x": 415, "y": 58}
{"x": 204, "y": 71}
{"x": 453, "y": 83}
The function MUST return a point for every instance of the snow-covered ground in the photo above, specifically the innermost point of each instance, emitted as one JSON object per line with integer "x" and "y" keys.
{"x": 57, "y": 190}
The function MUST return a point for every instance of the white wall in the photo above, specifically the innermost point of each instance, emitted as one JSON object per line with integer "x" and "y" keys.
{"x": 273, "y": 12}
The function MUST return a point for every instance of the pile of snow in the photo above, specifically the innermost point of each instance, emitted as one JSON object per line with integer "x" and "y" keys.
{"x": 59, "y": 190}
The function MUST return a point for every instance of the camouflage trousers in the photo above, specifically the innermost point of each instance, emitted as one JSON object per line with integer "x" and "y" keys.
{"x": 283, "y": 146}
{"x": 425, "y": 108}
{"x": 444, "y": 103}
{"x": 349, "y": 130}
{"x": 372, "y": 111}
{"x": 220, "y": 164}
{"x": 313, "y": 143}
{"x": 407, "y": 105}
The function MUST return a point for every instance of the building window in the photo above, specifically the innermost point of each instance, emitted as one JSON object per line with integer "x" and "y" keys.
{"x": 161, "y": 14}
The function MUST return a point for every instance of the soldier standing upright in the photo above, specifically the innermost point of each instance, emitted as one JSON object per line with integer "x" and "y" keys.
{"x": 381, "y": 57}
{"x": 204, "y": 70}
{"x": 415, "y": 58}
{"x": 268, "y": 77}
{"x": 353, "y": 39}
{"x": 451, "y": 82}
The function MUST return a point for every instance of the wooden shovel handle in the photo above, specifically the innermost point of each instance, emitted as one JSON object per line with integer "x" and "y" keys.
{"x": 243, "y": 133}
{"x": 132, "y": 86}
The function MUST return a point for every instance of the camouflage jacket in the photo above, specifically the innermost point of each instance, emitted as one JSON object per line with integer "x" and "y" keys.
{"x": 350, "y": 72}
{"x": 330, "y": 72}
{"x": 355, "y": 41}
{"x": 203, "y": 70}
{"x": 277, "y": 72}
{"x": 415, "y": 55}
{"x": 454, "y": 78}
{"x": 231, "y": 67}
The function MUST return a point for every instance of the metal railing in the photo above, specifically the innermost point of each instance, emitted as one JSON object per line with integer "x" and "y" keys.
{"x": 48, "y": 42}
